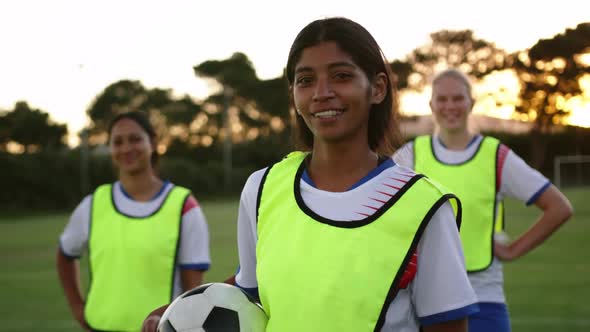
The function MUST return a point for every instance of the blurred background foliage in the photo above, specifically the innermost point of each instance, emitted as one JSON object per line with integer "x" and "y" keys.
{"x": 247, "y": 119}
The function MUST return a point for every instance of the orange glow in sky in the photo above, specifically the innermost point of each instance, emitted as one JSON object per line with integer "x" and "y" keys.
{"x": 503, "y": 87}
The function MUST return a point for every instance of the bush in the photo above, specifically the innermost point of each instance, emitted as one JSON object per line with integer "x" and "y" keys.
{"x": 52, "y": 179}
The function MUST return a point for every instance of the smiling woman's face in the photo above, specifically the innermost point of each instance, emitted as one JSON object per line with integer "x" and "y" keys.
{"x": 131, "y": 147}
{"x": 451, "y": 104}
{"x": 332, "y": 93}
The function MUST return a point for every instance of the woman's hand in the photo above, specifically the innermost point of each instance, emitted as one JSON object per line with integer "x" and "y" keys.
{"x": 78, "y": 312}
{"x": 150, "y": 324}
{"x": 556, "y": 208}
{"x": 504, "y": 252}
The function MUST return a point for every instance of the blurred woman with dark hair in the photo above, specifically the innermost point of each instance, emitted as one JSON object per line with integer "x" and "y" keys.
{"x": 147, "y": 239}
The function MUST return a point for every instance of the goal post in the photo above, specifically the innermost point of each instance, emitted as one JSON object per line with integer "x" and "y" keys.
{"x": 571, "y": 170}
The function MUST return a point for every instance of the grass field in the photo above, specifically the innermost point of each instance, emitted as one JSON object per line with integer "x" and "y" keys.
{"x": 548, "y": 290}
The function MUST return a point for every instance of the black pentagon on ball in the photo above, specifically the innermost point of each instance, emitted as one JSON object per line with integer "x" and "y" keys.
{"x": 201, "y": 289}
{"x": 222, "y": 320}
{"x": 197, "y": 290}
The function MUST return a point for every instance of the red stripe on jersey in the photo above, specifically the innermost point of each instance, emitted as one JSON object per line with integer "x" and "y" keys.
{"x": 386, "y": 194}
{"x": 399, "y": 180}
{"x": 189, "y": 204}
{"x": 391, "y": 186}
{"x": 371, "y": 207}
{"x": 502, "y": 153}
{"x": 410, "y": 272}
{"x": 379, "y": 200}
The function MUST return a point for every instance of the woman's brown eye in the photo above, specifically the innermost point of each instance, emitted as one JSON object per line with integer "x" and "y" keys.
{"x": 303, "y": 80}
{"x": 342, "y": 76}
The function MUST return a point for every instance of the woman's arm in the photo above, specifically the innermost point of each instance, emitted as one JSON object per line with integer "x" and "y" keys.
{"x": 150, "y": 324}
{"x": 441, "y": 293}
{"x": 191, "y": 278}
{"x": 193, "y": 257}
{"x": 69, "y": 277}
{"x": 556, "y": 210}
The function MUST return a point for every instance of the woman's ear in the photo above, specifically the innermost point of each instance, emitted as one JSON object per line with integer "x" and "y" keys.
{"x": 379, "y": 88}
{"x": 292, "y": 100}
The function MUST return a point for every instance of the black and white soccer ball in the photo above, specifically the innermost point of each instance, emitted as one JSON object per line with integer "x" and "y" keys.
{"x": 214, "y": 307}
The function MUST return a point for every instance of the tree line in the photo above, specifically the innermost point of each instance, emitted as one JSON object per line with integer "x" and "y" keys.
{"x": 253, "y": 115}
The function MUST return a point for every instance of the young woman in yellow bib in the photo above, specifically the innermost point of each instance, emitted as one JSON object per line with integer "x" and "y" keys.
{"x": 146, "y": 238}
{"x": 481, "y": 172}
{"x": 336, "y": 237}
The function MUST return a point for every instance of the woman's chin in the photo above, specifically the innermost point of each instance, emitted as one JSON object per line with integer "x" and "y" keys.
{"x": 132, "y": 169}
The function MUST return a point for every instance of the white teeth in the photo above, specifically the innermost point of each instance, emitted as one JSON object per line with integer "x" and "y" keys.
{"x": 327, "y": 114}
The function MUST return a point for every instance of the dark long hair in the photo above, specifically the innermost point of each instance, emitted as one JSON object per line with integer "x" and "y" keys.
{"x": 383, "y": 135}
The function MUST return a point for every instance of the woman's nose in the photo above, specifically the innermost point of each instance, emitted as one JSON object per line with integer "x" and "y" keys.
{"x": 323, "y": 90}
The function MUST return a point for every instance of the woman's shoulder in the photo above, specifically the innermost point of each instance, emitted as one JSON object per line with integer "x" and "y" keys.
{"x": 254, "y": 180}
{"x": 190, "y": 201}
{"x": 85, "y": 203}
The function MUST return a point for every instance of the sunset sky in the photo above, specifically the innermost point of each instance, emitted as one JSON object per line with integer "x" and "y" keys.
{"x": 58, "y": 55}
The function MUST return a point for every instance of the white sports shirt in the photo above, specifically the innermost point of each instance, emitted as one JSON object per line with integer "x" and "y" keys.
{"x": 439, "y": 291}
{"x": 194, "y": 235}
{"x": 515, "y": 179}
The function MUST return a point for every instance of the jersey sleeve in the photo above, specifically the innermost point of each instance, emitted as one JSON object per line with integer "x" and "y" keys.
{"x": 74, "y": 238}
{"x": 247, "y": 236}
{"x": 521, "y": 181}
{"x": 404, "y": 156}
{"x": 194, "y": 238}
{"x": 441, "y": 290}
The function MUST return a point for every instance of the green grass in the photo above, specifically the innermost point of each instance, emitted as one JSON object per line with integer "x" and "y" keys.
{"x": 548, "y": 290}
{"x": 32, "y": 299}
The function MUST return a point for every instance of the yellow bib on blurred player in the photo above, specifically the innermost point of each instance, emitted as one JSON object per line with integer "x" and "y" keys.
{"x": 474, "y": 182}
{"x": 132, "y": 261}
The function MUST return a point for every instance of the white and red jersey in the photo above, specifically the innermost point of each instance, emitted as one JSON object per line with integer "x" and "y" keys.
{"x": 193, "y": 250}
{"x": 514, "y": 178}
{"x": 436, "y": 284}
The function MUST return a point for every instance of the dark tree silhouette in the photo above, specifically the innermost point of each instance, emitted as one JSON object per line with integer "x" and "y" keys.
{"x": 32, "y": 128}
{"x": 259, "y": 107}
{"x": 448, "y": 48}
{"x": 165, "y": 111}
{"x": 549, "y": 74}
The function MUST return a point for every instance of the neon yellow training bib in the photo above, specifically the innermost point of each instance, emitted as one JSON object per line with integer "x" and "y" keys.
{"x": 474, "y": 182}
{"x": 132, "y": 261}
{"x": 316, "y": 274}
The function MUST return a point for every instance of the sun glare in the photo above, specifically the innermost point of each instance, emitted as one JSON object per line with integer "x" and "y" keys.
{"x": 580, "y": 105}
{"x": 581, "y": 117}
{"x": 497, "y": 96}
{"x": 415, "y": 103}
{"x": 584, "y": 59}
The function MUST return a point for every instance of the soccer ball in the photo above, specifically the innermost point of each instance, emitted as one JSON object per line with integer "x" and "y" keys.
{"x": 214, "y": 307}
